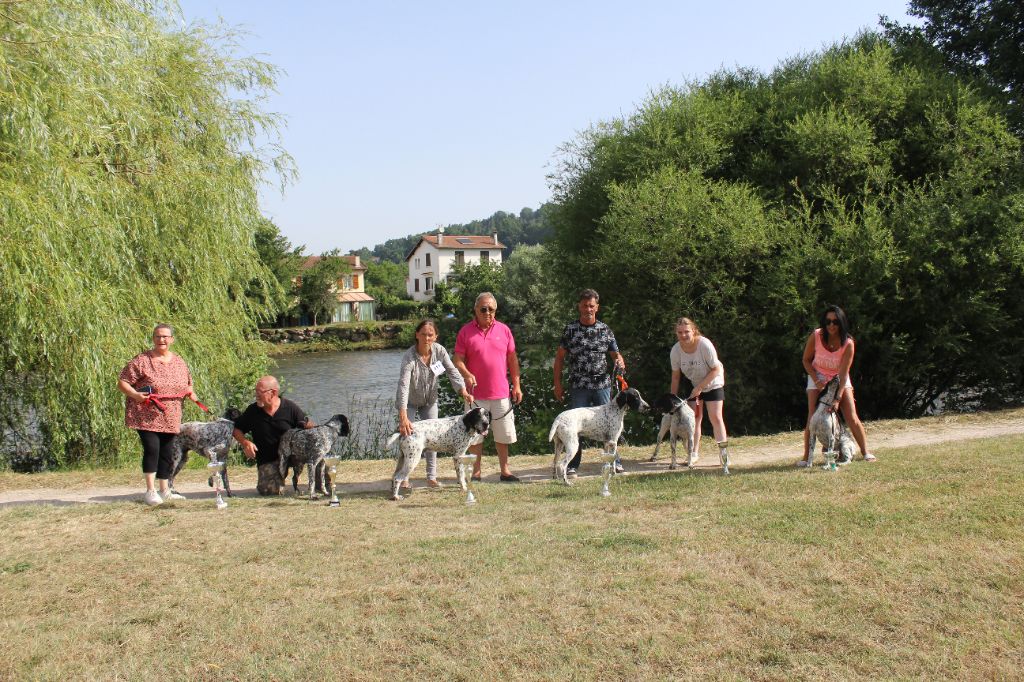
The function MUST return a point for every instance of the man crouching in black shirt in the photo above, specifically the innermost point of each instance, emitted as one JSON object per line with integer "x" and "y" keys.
{"x": 267, "y": 419}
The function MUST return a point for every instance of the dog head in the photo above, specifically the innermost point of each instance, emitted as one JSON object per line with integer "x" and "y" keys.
{"x": 669, "y": 403}
{"x": 477, "y": 420}
{"x": 631, "y": 399}
{"x": 232, "y": 414}
{"x": 339, "y": 422}
{"x": 828, "y": 394}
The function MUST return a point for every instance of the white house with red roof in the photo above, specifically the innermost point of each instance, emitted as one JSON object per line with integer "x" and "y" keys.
{"x": 434, "y": 256}
{"x": 354, "y": 304}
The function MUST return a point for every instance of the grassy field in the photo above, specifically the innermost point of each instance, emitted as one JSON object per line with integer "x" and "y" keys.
{"x": 911, "y": 568}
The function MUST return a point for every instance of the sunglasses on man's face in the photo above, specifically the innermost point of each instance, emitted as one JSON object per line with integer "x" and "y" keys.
{"x": 487, "y": 310}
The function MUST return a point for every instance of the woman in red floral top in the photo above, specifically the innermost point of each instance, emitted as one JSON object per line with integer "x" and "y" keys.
{"x": 161, "y": 372}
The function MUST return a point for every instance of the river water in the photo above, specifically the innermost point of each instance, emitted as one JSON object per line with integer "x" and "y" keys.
{"x": 359, "y": 384}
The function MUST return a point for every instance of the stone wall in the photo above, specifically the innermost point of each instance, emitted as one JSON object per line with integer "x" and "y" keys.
{"x": 355, "y": 333}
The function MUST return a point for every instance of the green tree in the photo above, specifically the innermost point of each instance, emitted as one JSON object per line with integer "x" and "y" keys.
{"x": 131, "y": 151}
{"x": 536, "y": 299}
{"x": 982, "y": 39}
{"x": 276, "y": 296}
{"x": 318, "y": 288}
{"x": 862, "y": 176}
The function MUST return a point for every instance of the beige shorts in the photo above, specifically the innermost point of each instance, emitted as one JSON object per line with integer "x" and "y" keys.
{"x": 821, "y": 377}
{"x": 504, "y": 429}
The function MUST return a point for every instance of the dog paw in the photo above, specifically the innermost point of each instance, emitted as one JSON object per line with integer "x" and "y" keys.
{"x": 673, "y": 467}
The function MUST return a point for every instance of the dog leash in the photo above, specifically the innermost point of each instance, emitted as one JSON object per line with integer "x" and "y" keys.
{"x": 619, "y": 377}
{"x": 507, "y": 412}
{"x": 156, "y": 398}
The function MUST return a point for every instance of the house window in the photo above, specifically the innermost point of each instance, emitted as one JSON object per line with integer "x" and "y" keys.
{"x": 428, "y": 259}
{"x": 428, "y": 284}
{"x": 355, "y": 281}
{"x": 416, "y": 284}
{"x": 485, "y": 256}
{"x": 460, "y": 257}
{"x": 417, "y": 263}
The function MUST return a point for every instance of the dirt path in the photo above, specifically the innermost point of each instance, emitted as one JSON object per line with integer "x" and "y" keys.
{"x": 745, "y": 453}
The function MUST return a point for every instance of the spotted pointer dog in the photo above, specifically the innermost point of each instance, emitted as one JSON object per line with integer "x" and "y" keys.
{"x": 602, "y": 423}
{"x": 449, "y": 434}
{"x": 212, "y": 440}
{"x": 308, "y": 447}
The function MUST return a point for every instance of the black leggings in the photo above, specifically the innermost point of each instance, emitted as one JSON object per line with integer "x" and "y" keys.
{"x": 157, "y": 453}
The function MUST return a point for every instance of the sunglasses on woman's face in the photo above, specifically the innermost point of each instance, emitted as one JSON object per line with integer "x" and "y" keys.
{"x": 829, "y": 321}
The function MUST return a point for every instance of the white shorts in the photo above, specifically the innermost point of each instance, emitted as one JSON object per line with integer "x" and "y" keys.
{"x": 821, "y": 377}
{"x": 504, "y": 429}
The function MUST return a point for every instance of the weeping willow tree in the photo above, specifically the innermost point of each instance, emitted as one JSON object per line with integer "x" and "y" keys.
{"x": 131, "y": 152}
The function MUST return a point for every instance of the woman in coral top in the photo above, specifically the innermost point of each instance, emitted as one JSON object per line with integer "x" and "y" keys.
{"x": 161, "y": 372}
{"x": 828, "y": 353}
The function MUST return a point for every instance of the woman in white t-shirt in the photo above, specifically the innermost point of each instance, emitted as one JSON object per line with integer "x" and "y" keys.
{"x": 695, "y": 358}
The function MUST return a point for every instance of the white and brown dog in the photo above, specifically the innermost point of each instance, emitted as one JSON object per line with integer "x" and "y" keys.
{"x": 449, "y": 434}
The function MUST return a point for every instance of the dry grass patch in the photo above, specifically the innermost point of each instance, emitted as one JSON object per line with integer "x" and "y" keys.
{"x": 908, "y": 568}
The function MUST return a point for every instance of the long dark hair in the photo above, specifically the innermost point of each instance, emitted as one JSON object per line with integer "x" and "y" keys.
{"x": 844, "y": 326}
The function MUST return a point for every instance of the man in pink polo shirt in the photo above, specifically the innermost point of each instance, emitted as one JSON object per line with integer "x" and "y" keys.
{"x": 485, "y": 354}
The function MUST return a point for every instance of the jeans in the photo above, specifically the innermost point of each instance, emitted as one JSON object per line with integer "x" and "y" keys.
{"x": 425, "y": 412}
{"x": 587, "y": 397}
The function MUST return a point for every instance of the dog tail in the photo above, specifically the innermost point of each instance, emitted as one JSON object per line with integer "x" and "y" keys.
{"x": 392, "y": 440}
{"x": 551, "y": 434}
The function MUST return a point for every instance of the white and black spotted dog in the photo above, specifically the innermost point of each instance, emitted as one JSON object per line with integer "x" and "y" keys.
{"x": 212, "y": 440}
{"x": 308, "y": 447}
{"x": 449, "y": 434}
{"x": 679, "y": 422}
{"x": 827, "y": 428}
{"x": 602, "y": 423}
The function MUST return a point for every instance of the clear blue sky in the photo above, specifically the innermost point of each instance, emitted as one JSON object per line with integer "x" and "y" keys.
{"x": 403, "y": 115}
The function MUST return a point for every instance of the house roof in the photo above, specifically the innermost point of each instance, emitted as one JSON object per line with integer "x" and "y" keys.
{"x": 457, "y": 242}
{"x": 354, "y": 297}
{"x": 353, "y": 262}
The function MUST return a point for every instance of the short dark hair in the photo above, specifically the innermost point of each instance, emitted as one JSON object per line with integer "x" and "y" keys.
{"x": 588, "y": 294}
{"x": 424, "y": 322}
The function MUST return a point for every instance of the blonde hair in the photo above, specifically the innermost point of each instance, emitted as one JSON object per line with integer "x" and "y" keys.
{"x": 689, "y": 323}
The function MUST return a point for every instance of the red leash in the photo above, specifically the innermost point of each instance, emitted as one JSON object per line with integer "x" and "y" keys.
{"x": 155, "y": 398}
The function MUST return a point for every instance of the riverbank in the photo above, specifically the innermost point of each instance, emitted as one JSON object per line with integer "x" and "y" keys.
{"x": 338, "y": 336}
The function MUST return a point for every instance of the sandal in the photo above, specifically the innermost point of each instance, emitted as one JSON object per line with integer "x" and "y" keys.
{"x": 868, "y": 457}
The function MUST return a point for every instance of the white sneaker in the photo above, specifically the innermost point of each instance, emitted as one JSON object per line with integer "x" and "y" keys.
{"x": 571, "y": 473}
{"x": 692, "y": 460}
{"x": 802, "y": 463}
{"x": 152, "y": 498}
{"x": 619, "y": 469}
{"x": 172, "y": 494}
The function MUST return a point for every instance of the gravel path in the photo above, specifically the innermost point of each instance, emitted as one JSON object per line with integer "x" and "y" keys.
{"x": 783, "y": 449}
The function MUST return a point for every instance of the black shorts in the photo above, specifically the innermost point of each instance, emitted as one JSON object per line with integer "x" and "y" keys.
{"x": 715, "y": 395}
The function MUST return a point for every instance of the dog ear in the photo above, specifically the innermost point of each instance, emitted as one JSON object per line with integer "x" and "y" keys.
{"x": 232, "y": 414}
{"x": 633, "y": 398}
{"x": 342, "y": 424}
{"x": 621, "y": 399}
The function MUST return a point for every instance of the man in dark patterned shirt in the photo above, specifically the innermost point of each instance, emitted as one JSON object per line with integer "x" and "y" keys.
{"x": 588, "y": 345}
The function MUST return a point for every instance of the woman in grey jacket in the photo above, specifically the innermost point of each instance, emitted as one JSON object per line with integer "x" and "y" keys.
{"x": 422, "y": 365}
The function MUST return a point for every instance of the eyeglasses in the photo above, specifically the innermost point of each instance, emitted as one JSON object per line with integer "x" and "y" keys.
{"x": 261, "y": 391}
{"x": 158, "y": 337}
{"x": 829, "y": 321}
{"x": 488, "y": 310}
